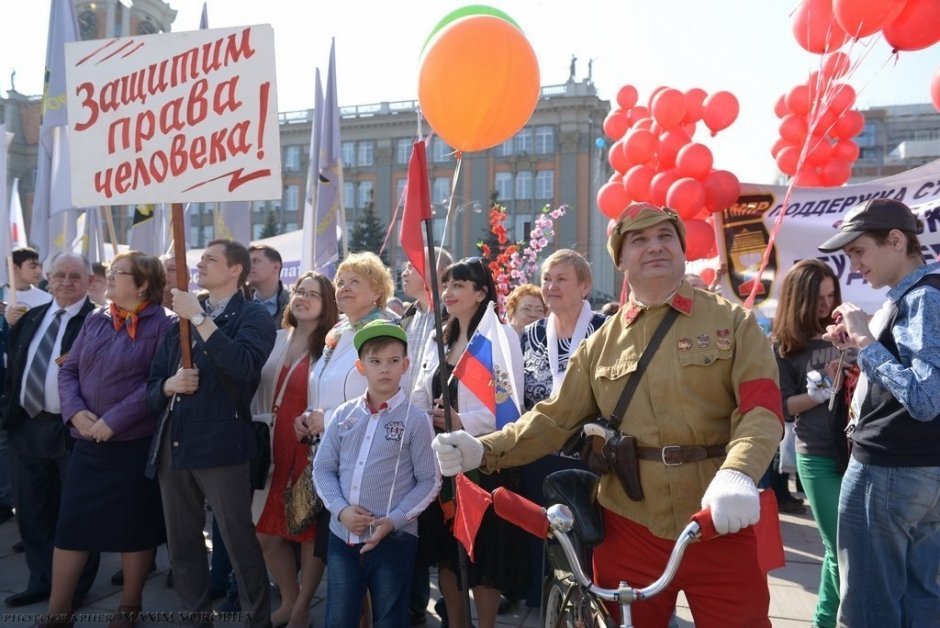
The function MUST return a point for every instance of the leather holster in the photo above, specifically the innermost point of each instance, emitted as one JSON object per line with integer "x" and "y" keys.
{"x": 620, "y": 453}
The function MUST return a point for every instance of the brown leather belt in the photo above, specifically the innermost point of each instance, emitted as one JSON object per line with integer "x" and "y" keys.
{"x": 674, "y": 455}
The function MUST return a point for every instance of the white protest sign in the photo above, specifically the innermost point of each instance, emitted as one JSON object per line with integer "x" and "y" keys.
{"x": 175, "y": 117}
{"x": 812, "y": 216}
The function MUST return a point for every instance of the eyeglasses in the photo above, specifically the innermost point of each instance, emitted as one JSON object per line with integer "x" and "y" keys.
{"x": 114, "y": 272}
{"x": 307, "y": 294}
{"x": 73, "y": 277}
{"x": 474, "y": 260}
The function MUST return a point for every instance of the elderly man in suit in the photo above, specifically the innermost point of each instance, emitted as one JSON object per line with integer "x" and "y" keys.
{"x": 40, "y": 443}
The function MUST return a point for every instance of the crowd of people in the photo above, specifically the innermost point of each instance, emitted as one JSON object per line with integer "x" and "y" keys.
{"x": 113, "y": 440}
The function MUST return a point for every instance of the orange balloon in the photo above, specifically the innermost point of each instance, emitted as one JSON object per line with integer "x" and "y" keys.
{"x": 478, "y": 82}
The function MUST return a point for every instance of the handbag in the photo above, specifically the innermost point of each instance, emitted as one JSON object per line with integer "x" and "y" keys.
{"x": 302, "y": 505}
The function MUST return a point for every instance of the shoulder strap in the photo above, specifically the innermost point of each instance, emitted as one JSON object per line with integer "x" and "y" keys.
{"x": 630, "y": 387}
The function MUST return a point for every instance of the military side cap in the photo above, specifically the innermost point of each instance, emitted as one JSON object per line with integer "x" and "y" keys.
{"x": 639, "y": 216}
{"x": 873, "y": 215}
{"x": 377, "y": 329}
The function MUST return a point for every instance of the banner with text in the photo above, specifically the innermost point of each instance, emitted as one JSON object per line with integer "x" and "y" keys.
{"x": 812, "y": 215}
{"x": 174, "y": 117}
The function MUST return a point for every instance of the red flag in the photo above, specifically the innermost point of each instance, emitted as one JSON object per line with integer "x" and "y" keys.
{"x": 417, "y": 208}
{"x": 472, "y": 502}
{"x": 770, "y": 553}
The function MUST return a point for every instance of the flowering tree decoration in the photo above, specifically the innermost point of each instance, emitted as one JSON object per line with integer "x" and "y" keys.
{"x": 513, "y": 265}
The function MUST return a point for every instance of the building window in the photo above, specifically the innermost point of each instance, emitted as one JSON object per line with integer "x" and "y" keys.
{"x": 349, "y": 154}
{"x": 544, "y": 140}
{"x": 291, "y": 196}
{"x": 439, "y": 150}
{"x": 365, "y": 153}
{"x": 523, "y": 226}
{"x": 259, "y": 207}
{"x": 523, "y": 185}
{"x": 524, "y": 141}
{"x": 349, "y": 193}
{"x": 504, "y": 149}
{"x": 440, "y": 191}
{"x": 503, "y": 185}
{"x": 292, "y": 158}
{"x": 545, "y": 184}
{"x": 256, "y": 231}
{"x": 403, "y": 150}
{"x": 364, "y": 195}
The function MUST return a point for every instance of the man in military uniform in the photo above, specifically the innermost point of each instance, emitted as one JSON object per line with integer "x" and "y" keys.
{"x": 706, "y": 416}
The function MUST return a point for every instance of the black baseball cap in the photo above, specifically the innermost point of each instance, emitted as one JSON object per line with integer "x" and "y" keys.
{"x": 873, "y": 215}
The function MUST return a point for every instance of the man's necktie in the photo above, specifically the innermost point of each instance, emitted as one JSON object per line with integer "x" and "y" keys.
{"x": 35, "y": 390}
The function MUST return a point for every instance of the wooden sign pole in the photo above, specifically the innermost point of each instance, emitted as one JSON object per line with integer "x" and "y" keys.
{"x": 182, "y": 281}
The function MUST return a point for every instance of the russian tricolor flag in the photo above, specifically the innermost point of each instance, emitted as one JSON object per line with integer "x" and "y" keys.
{"x": 486, "y": 369}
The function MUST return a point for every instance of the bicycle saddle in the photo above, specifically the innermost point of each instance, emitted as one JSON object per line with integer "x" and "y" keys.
{"x": 577, "y": 489}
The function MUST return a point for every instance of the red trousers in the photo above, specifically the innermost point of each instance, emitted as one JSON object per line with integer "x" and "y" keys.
{"x": 721, "y": 578}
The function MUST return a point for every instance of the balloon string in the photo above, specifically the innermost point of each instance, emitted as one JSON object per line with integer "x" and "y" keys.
{"x": 450, "y": 201}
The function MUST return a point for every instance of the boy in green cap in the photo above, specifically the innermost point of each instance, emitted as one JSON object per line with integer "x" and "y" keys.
{"x": 376, "y": 472}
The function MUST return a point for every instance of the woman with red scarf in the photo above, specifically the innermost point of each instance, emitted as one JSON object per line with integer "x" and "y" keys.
{"x": 108, "y": 505}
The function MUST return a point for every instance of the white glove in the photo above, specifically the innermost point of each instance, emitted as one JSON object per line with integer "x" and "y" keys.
{"x": 457, "y": 451}
{"x": 733, "y": 500}
{"x": 817, "y": 387}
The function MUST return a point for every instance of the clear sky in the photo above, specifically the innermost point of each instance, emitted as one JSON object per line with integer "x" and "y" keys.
{"x": 743, "y": 46}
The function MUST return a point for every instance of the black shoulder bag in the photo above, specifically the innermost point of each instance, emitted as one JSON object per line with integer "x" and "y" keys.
{"x": 616, "y": 451}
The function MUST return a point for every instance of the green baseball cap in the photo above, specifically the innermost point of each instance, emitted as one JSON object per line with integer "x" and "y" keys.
{"x": 377, "y": 329}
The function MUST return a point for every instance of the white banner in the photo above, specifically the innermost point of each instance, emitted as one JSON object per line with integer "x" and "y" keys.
{"x": 812, "y": 216}
{"x": 174, "y": 117}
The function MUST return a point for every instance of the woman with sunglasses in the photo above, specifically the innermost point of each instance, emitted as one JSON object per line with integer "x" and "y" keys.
{"x": 310, "y": 314}
{"x": 500, "y": 552}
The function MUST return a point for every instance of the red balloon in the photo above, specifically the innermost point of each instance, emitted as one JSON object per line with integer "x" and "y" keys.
{"x": 612, "y": 199}
{"x": 823, "y": 123}
{"x": 788, "y": 159}
{"x": 639, "y": 145}
{"x": 637, "y": 180}
{"x": 706, "y": 274}
{"x": 846, "y": 150}
{"x": 808, "y": 178}
{"x": 659, "y": 186}
{"x": 637, "y": 113}
{"x": 653, "y": 94}
{"x": 798, "y": 100}
{"x": 861, "y": 18}
{"x": 617, "y": 157}
{"x": 778, "y": 146}
{"x": 720, "y": 110}
{"x": 694, "y": 160}
{"x": 693, "y": 105}
{"x": 814, "y": 27}
{"x": 836, "y": 172}
{"x": 793, "y": 129}
{"x": 668, "y": 108}
{"x": 689, "y": 128}
{"x": 916, "y": 27}
{"x": 935, "y": 89}
{"x": 670, "y": 143}
{"x": 615, "y": 124}
{"x": 686, "y": 196}
{"x": 643, "y": 123}
{"x": 780, "y": 107}
{"x": 849, "y": 125}
{"x": 841, "y": 98}
{"x": 836, "y": 64}
{"x": 627, "y": 97}
{"x": 699, "y": 240}
{"x": 819, "y": 151}
{"x": 722, "y": 190}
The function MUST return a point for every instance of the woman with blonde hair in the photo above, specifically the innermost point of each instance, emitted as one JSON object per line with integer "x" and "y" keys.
{"x": 524, "y": 305}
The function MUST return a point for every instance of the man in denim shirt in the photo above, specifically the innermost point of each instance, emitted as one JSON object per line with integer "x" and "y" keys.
{"x": 889, "y": 507}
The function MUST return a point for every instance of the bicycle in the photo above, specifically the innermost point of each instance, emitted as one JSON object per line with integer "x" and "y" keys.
{"x": 574, "y": 601}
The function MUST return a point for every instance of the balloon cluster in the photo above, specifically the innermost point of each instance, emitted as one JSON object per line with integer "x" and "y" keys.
{"x": 478, "y": 80}
{"x": 824, "y": 25}
{"x": 655, "y": 159}
{"x": 817, "y": 116}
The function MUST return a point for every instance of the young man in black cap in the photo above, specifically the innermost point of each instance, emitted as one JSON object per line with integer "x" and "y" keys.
{"x": 889, "y": 507}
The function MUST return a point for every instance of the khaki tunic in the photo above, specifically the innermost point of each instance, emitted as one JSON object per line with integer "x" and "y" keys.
{"x": 713, "y": 380}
